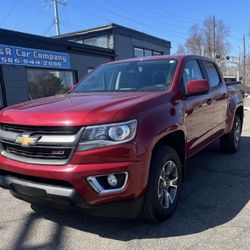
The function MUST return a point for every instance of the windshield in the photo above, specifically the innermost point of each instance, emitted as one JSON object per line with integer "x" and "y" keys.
{"x": 151, "y": 75}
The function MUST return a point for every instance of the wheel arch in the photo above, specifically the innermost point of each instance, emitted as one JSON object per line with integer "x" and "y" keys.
{"x": 176, "y": 140}
{"x": 240, "y": 112}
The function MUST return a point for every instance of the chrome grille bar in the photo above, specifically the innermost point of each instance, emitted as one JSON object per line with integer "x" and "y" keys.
{"x": 44, "y": 150}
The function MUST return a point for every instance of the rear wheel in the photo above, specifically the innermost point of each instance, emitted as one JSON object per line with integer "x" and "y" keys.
{"x": 230, "y": 143}
{"x": 164, "y": 185}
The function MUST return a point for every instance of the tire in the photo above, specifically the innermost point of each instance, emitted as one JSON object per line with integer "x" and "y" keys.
{"x": 163, "y": 188}
{"x": 230, "y": 143}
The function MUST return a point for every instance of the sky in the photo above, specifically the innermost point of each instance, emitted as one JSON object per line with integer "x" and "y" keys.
{"x": 167, "y": 19}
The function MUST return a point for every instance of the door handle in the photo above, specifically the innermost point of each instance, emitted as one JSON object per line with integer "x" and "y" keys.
{"x": 209, "y": 101}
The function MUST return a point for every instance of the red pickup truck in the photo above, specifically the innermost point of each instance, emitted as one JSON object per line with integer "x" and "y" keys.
{"x": 117, "y": 144}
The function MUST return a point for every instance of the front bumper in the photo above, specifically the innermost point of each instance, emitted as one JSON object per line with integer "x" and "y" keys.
{"x": 67, "y": 186}
{"x": 66, "y": 198}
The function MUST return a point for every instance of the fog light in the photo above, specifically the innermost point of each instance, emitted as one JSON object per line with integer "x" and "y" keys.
{"x": 112, "y": 180}
{"x": 108, "y": 183}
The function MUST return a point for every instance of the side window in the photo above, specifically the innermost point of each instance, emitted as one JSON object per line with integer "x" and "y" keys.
{"x": 191, "y": 72}
{"x": 213, "y": 76}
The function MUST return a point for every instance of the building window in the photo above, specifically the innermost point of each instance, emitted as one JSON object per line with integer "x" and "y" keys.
{"x": 46, "y": 82}
{"x": 110, "y": 41}
{"x": 89, "y": 70}
{"x": 76, "y": 40}
{"x": 103, "y": 41}
{"x": 139, "y": 52}
{"x": 156, "y": 53}
{"x": 147, "y": 52}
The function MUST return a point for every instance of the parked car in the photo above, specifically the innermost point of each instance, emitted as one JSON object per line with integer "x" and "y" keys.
{"x": 118, "y": 143}
{"x": 230, "y": 79}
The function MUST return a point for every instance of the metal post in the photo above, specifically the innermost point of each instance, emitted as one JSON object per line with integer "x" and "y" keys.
{"x": 239, "y": 66}
{"x": 244, "y": 61}
{"x": 214, "y": 24}
{"x": 202, "y": 50}
{"x": 56, "y": 18}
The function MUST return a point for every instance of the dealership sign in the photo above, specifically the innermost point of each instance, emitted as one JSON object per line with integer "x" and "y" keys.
{"x": 33, "y": 57}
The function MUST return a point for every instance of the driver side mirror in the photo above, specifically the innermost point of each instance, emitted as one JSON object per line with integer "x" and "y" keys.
{"x": 197, "y": 87}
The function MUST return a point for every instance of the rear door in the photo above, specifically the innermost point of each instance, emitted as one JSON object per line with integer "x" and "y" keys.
{"x": 198, "y": 109}
{"x": 218, "y": 96}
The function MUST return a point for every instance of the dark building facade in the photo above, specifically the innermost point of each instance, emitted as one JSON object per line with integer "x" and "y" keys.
{"x": 124, "y": 41}
{"x": 34, "y": 66}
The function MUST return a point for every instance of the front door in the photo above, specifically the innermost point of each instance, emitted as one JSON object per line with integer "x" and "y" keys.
{"x": 198, "y": 110}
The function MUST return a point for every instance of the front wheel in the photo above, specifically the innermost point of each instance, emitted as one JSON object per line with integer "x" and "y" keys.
{"x": 163, "y": 186}
{"x": 230, "y": 143}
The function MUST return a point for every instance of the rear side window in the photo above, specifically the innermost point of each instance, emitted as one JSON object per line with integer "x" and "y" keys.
{"x": 213, "y": 76}
{"x": 191, "y": 72}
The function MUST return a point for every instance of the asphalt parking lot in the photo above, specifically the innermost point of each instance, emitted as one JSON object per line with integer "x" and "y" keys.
{"x": 213, "y": 213}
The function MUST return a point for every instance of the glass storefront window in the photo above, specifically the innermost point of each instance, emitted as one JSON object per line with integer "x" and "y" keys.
{"x": 46, "y": 82}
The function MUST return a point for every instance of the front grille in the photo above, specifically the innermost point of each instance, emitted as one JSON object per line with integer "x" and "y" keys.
{"x": 53, "y": 145}
{"x": 67, "y": 130}
{"x": 59, "y": 153}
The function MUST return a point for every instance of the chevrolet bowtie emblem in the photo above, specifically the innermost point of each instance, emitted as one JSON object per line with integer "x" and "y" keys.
{"x": 26, "y": 140}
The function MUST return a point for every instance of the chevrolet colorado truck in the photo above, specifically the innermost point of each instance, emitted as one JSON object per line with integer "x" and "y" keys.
{"x": 117, "y": 144}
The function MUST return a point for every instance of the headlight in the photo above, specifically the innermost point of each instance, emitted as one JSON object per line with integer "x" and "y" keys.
{"x": 107, "y": 135}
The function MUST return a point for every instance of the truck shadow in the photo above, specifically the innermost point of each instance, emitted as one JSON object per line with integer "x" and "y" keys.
{"x": 28, "y": 229}
{"x": 216, "y": 189}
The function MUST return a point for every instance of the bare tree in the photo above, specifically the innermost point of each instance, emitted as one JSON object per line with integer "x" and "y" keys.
{"x": 194, "y": 43}
{"x": 221, "y": 31}
{"x": 181, "y": 50}
{"x": 209, "y": 38}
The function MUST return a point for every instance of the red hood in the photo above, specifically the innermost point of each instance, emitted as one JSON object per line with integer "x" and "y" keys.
{"x": 74, "y": 109}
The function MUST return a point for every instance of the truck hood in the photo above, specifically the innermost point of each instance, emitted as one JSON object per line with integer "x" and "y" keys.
{"x": 74, "y": 109}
